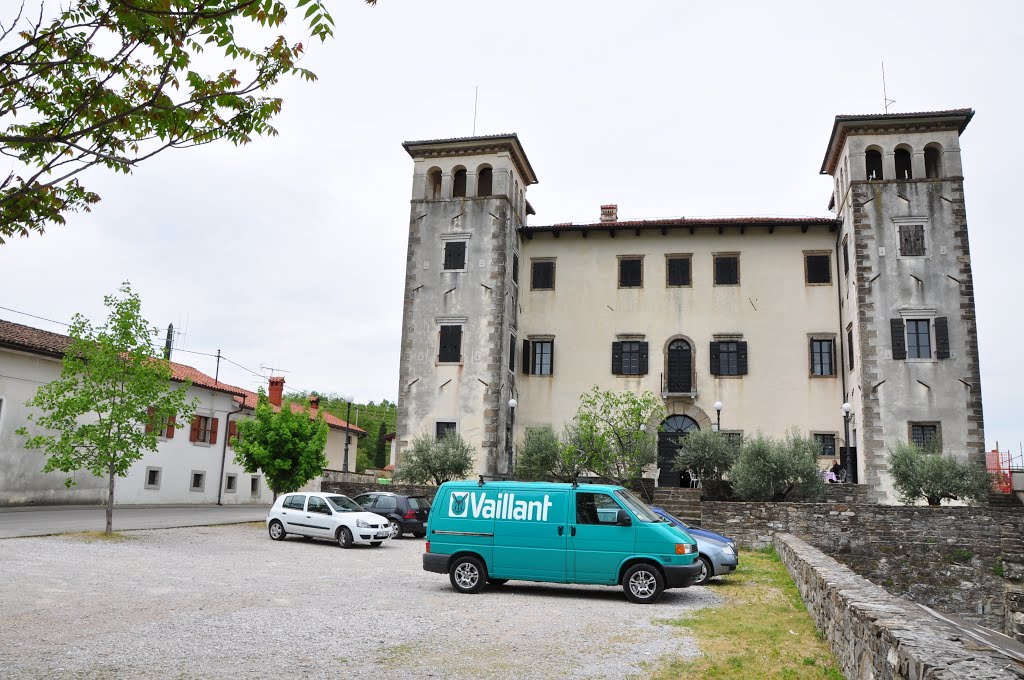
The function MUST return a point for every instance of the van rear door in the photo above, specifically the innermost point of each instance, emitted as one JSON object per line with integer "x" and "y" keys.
{"x": 598, "y": 543}
{"x": 530, "y": 535}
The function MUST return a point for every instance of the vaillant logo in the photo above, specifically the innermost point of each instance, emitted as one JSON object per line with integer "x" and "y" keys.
{"x": 479, "y": 505}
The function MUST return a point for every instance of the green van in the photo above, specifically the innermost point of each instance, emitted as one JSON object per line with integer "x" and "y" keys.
{"x": 493, "y": 532}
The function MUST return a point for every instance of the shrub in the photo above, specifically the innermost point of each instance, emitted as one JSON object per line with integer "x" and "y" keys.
{"x": 709, "y": 455}
{"x": 540, "y": 456}
{"x": 435, "y": 460}
{"x": 770, "y": 469}
{"x": 934, "y": 476}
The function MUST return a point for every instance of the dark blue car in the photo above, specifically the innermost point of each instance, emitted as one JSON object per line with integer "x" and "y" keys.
{"x": 717, "y": 553}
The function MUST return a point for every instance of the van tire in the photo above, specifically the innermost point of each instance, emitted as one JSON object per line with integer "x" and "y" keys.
{"x": 643, "y": 583}
{"x": 468, "y": 574}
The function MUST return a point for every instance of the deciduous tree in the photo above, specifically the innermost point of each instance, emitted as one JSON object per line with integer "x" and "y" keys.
{"x": 112, "y": 398}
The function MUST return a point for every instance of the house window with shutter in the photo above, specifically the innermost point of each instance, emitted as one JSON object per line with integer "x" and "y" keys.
{"x": 678, "y": 270}
{"x": 538, "y": 356}
{"x": 817, "y": 268}
{"x": 450, "y": 344}
{"x": 912, "y": 240}
{"x": 920, "y": 339}
{"x": 163, "y": 427}
{"x": 727, "y": 269}
{"x": 204, "y": 430}
{"x": 846, "y": 256}
{"x": 823, "y": 359}
{"x": 728, "y": 357}
{"x": 631, "y": 271}
{"x": 455, "y": 255}
{"x": 542, "y": 274}
{"x": 629, "y": 358}
{"x": 924, "y": 435}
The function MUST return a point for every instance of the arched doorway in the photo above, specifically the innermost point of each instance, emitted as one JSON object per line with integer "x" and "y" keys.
{"x": 672, "y": 429}
{"x": 679, "y": 369}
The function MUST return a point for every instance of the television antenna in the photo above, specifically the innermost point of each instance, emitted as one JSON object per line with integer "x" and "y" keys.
{"x": 886, "y": 102}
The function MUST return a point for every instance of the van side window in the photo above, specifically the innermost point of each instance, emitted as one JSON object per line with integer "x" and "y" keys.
{"x": 595, "y": 508}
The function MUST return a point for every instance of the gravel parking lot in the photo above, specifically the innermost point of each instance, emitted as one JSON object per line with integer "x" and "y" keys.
{"x": 227, "y": 601}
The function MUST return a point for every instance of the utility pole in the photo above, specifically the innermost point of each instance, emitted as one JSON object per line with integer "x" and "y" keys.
{"x": 348, "y": 414}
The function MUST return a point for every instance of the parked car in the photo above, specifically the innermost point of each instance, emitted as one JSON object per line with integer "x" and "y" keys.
{"x": 406, "y": 514}
{"x": 717, "y": 553}
{"x": 326, "y": 515}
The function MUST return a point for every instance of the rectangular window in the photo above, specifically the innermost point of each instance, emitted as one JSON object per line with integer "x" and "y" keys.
{"x": 817, "y": 269}
{"x": 919, "y": 339}
{"x": 512, "y": 352}
{"x": 450, "y": 350}
{"x": 455, "y": 255}
{"x": 911, "y": 240}
{"x": 678, "y": 270}
{"x": 735, "y": 438}
{"x": 728, "y": 357}
{"x": 846, "y": 256}
{"x": 542, "y": 275}
{"x": 823, "y": 357}
{"x": 515, "y": 268}
{"x": 204, "y": 430}
{"x": 153, "y": 477}
{"x": 923, "y": 435}
{"x": 542, "y": 355}
{"x": 230, "y": 483}
{"x": 443, "y": 428}
{"x": 629, "y": 358}
{"x": 631, "y": 272}
{"x": 254, "y": 486}
{"x": 826, "y": 444}
{"x": 727, "y": 270}
{"x": 849, "y": 345}
{"x": 198, "y": 480}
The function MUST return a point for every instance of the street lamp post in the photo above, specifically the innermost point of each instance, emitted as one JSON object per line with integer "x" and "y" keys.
{"x": 718, "y": 420}
{"x": 512, "y": 403}
{"x": 849, "y": 459}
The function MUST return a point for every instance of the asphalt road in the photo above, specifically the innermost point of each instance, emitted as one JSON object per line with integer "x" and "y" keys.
{"x": 42, "y": 521}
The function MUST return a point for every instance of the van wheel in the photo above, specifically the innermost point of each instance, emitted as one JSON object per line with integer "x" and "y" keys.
{"x": 643, "y": 583}
{"x": 345, "y": 537}
{"x": 276, "y": 530}
{"x": 468, "y": 574}
{"x": 706, "y": 572}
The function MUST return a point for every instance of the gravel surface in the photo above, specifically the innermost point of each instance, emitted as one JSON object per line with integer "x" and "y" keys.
{"x": 227, "y": 601}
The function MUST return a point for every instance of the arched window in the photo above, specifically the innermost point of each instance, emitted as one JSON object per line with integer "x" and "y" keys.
{"x": 459, "y": 183}
{"x": 484, "y": 181}
{"x": 873, "y": 163}
{"x": 933, "y": 161}
{"x": 434, "y": 183}
{"x": 671, "y": 431}
{"x": 903, "y": 169}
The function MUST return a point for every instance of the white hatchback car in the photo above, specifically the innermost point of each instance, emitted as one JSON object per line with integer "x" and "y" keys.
{"x": 326, "y": 515}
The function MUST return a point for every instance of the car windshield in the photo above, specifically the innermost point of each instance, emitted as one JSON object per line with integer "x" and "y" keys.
{"x": 344, "y": 504}
{"x": 419, "y": 503}
{"x": 639, "y": 508}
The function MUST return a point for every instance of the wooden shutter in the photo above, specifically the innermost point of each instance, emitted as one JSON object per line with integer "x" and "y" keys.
{"x": 526, "y": 357}
{"x": 232, "y": 432}
{"x": 716, "y": 361}
{"x": 899, "y": 339}
{"x": 741, "y": 358}
{"x": 455, "y": 255}
{"x": 457, "y": 343}
{"x": 643, "y": 358}
{"x": 551, "y": 361}
{"x": 941, "y": 337}
{"x": 194, "y": 434}
{"x": 451, "y": 344}
{"x": 170, "y": 427}
{"x": 213, "y": 430}
{"x": 617, "y": 358}
{"x": 149, "y": 419}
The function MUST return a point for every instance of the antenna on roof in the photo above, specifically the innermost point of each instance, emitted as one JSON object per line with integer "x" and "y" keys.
{"x": 886, "y": 102}
{"x": 273, "y": 370}
{"x": 476, "y": 95}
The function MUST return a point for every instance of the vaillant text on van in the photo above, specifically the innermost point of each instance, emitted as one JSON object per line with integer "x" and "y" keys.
{"x": 502, "y": 506}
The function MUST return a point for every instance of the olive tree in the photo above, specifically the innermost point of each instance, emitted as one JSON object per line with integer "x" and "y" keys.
{"x": 432, "y": 460}
{"x": 930, "y": 475}
{"x": 710, "y": 455}
{"x": 769, "y": 469}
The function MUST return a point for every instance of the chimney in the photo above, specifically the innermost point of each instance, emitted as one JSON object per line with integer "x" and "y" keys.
{"x": 314, "y": 404}
{"x": 610, "y": 213}
{"x": 276, "y": 390}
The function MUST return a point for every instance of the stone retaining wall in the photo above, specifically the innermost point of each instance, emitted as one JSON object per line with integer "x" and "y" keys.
{"x": 875, "y": 634}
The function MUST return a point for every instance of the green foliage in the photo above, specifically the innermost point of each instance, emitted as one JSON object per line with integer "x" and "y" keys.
{"x": 933, "y": 476}
{"x": 543, "y": 456}
{"x": 287, "y": 446}
{"x": 380, "y": 457}
{"x": 114, "y": 82}
{"x": 770, "y": 469}
{"x": 111, "y": 387}
{"x": 616, "y": 433}
{"x": 435, "y": 460}
{"x": 710, "y": 455}
{"x": 368, "y": 416}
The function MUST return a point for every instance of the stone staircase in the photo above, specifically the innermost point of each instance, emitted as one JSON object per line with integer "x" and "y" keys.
{"x": 1004, "y": 500}
{"x": 683, "y": 503}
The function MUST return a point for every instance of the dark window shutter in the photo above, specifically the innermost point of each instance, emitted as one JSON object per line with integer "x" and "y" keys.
{"x": 552, "y": 360}
{"x": 526, "y": 357}
{"x": 741, "y": 358}
{"x": 643, "y": 358}
{"x": 213, "y": 430}
{"x": 941, "y": 337}
{"x": 170, "y": 427}
{"x": 455, "y": 255}
{"x": 232, "y": 432}
{"x": 194, "y": 434}
{"x": 617, "y": 358}
{"x": 899, "y": 340}
{"x": 149, "y": 419}
{"x": 457, "y": 343}
{"x": 715, "y": 360}
{"x": 451, "y": 344}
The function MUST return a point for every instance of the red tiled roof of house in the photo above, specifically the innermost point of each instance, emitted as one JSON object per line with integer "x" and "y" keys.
{"x": 685, "y": 222}
{"x": 251, "y": 399}
{"x": 181, "y": 373}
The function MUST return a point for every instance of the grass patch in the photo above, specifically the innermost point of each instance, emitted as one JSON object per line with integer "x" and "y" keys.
{"x": 100, "y": 536}
{"x": 762, "y": 630}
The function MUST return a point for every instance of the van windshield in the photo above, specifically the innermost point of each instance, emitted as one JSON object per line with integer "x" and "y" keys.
{"x": 639, "y": 508}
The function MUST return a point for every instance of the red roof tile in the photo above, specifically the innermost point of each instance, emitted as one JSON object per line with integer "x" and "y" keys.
{"x": 34, "y": 340}
{"x": 251, "y": 399}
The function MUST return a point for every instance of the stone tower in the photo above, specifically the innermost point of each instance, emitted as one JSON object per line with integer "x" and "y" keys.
{"x": 906, "y": 290}
{"x": 457, "y": 369}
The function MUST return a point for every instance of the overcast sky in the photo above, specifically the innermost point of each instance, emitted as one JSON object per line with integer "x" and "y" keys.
{"x": 290, "y": 252}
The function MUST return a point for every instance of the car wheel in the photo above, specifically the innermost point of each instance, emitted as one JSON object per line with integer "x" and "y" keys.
{"x": 643, "y": 583}
{"x": 706, "y": 571}
{"x": 345, "y": 537}
{"x": 419, "y": 534}
{"x": 396, "y": 528}
{"x": 468, "y": 574}
{"x": 497, "y": 581}
{"x": 276, "y": 530}
{"x": 376, "y": 544}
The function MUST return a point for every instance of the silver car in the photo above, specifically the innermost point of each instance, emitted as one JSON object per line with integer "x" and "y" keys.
{"x": 326, "y": 515}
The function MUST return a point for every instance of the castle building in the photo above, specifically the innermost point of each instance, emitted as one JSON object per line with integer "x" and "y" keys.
{"x": 780, "y": 321}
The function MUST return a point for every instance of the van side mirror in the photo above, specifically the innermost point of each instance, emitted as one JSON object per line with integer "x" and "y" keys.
{"x": 623, "y": 519}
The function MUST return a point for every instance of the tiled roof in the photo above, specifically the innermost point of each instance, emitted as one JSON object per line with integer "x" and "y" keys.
{"x": 251, "y": 399}
{"x": 28, "y": 339}
{"x": 685, "y": 222}
{"x": 181, "y": 372}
